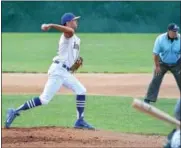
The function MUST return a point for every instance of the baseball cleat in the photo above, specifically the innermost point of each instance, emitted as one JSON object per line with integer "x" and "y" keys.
{"x": 82, "y": 124}
{"x": 10, "y": 116}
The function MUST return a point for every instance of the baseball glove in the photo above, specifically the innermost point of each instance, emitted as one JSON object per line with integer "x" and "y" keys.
{"x": 76, "y": 65}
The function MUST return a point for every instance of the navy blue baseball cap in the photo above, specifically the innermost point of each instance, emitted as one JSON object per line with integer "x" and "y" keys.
{"x": 67, "y": 17}
{"x": 173, "y": 27}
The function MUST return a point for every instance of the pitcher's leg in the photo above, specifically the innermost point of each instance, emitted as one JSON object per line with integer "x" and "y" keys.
{"x": 80, "y": 91}
{"x": 52, "y": 86}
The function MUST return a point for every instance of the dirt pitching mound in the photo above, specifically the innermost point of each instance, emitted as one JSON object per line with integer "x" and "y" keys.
{"x": 43, "y": 137}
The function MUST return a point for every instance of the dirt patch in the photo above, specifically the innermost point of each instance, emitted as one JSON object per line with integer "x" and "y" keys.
{"x": 134, "y": 85}
{"x": 42, "y": 137}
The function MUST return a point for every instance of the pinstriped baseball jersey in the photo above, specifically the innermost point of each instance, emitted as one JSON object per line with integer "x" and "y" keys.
{"x": 68, "y": 50}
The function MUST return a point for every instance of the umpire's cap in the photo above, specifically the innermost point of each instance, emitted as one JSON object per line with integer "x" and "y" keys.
{"x": 67, "y": 17}
{"x": 173, "y": 27}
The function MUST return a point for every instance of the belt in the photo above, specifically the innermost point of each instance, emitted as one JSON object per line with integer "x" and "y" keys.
{"x": 64, "y": 66}
{"x": 169, "y": 65}
{"x": 172, "y": 64}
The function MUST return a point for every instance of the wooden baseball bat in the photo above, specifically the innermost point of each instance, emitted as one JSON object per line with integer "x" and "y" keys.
{"x": 155, "y": 112}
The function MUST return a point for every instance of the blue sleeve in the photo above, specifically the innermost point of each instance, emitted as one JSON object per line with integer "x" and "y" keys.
{"x": 156, "y": 48}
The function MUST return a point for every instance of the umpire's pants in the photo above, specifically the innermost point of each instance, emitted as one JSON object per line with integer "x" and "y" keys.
{"x": 154, "y": 87}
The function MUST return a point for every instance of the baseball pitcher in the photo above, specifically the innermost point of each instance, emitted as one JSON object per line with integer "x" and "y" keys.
{"x": 60, "y": 72}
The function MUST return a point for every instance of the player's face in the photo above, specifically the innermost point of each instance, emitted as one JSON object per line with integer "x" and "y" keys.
{"x": 74, "y": 24}
{"x": 172, "y": 34}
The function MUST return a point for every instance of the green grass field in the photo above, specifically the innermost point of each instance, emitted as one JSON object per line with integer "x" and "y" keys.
{"x": 107, "y": 113}
{"x": 119, "y": 53}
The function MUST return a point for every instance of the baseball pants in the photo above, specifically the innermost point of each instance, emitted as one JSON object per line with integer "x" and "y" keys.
{"x": 58, "y": 77}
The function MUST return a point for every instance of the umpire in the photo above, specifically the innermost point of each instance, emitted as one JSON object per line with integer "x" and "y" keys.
{"x": 167, "y": 57}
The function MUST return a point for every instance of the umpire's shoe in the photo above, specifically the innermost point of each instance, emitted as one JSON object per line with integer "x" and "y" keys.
{"x": 81, "y": 124}
{"x": 10, "y": 116}
{"x": 147, "y": 101}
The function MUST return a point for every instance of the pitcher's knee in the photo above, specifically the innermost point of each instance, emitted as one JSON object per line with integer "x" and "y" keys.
{"x": 81, "y": 91}
{"x": 45, "y": 99}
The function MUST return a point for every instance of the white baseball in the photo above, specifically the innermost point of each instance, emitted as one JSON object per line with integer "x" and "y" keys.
{"x": 43, "y": 26}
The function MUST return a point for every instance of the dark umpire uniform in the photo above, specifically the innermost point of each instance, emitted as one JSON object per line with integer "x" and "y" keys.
{"x": 167, "y": 57}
